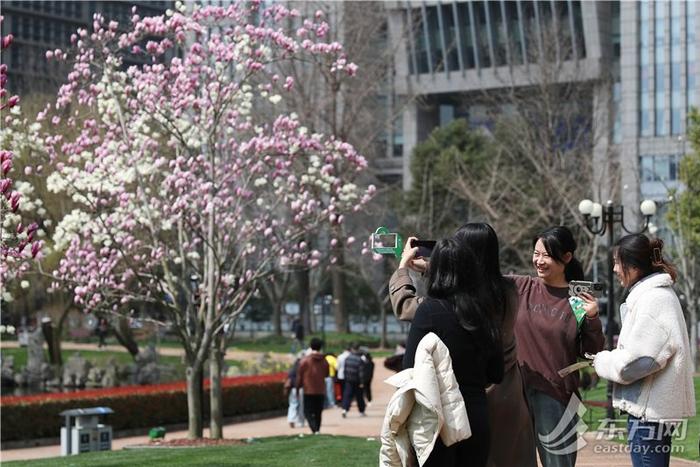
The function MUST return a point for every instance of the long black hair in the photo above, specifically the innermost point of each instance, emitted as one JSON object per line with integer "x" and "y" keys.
{"x": 483, "y": 241}
{"x": 557, "y": 242}
{"x": 454, "y": 275}
{"x": 645, "y": 254}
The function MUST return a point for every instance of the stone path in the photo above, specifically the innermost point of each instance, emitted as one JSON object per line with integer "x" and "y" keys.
{"x": 596, "y": 453}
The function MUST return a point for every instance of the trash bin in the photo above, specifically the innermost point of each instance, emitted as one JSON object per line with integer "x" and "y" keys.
{"x": 83, "y": 431}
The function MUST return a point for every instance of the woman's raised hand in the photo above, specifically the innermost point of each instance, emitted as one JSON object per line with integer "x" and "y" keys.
{"x": 409, "y": 259}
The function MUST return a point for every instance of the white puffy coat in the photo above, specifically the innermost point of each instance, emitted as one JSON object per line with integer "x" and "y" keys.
{"x": 651, "y": 366}
{"x": 427, "y": 403}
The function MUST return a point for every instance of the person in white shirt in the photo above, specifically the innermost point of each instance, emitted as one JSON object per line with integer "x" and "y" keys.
{"x": 651, "y": 366}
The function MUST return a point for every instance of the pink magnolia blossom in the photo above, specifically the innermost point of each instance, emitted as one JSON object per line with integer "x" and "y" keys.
{"x": 14, "y": 239}
{"x": 174, "y": 166}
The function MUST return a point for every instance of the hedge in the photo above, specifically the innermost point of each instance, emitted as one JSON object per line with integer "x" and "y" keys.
{"x": 37, "y": 416}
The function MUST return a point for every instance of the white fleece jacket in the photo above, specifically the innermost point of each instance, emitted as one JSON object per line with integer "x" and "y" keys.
{"x": 427, "y": 402}
{"x": 651, "y": 366}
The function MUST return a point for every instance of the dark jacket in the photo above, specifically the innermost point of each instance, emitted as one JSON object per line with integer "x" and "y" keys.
{"x": 355, "y": 369}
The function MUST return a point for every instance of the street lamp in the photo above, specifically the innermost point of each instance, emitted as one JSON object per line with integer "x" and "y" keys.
{"x": 327, "y": 300}
{"x": 599, "y": 220}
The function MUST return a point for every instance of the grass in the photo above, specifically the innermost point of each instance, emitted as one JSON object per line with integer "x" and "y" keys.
{"x": 287, "y": 451}
{"x": 595, "y": 415}
{"x": 335, "y": 342}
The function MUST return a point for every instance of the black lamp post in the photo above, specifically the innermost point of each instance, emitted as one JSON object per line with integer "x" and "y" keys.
{"x": 325, "y": 308}
{"x": 599, "y": 220}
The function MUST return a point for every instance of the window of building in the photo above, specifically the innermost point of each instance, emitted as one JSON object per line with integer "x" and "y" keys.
{"x": 644, "y": 69}
{"x": 515, "y": 39}
{"x": 447, "y": 114}
{"x": 578, "y": 28}
{"x": 660, "y": 16}
{"x": 690, "y": 62}
{"x": 532, "y": 31}
{"x": 434, "y": 40}
{"x": 421, "y": 47}
{"x": 498, "y": 33}
{"x": 660, "y": 168}
{"x": 615, "y": 28}
{"x": 482, "y": 36}
{"x": 448, "y": 22}
{"x": 466, "y": 38}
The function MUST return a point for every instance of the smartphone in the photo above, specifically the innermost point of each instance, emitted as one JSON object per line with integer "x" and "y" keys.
{"x": 425, "y": 247}
{"x": 578, "y": 287}
{"x": 384, "y": 243}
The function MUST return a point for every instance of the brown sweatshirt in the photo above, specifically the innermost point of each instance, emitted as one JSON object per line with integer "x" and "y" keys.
{"x": 312, "y": 373}
{"x": 548, "y": 339}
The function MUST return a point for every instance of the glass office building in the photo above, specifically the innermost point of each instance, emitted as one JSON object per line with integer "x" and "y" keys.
{"x": 447, "y": 51}
{"x": 38, "y": 26}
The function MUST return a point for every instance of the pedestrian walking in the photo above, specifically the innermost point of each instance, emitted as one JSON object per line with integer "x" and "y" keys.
{"x": 295, "y": 409}
{"x": 101, "y": 330}
{"x": 354, "y": 370}
{"x": 297, "y": 335}
{"x": 651, "y": 367}
{"x": 330, "y": 380}
{"x": 311, "y": 376}
{"x": 340, "y": 375}
{"x": 368, "y": 373}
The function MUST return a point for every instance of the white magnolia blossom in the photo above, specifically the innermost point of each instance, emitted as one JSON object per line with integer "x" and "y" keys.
{"x": 69, "y": 227}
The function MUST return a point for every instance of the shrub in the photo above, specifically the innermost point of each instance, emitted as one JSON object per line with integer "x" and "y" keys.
{"x": 37, "y": 416}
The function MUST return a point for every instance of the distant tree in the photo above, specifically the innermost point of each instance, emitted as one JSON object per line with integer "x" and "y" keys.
{"x": 684, "y": 218}
{"x": 186, "y": 198}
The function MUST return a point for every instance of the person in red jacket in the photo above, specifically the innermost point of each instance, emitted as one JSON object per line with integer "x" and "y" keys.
{"x": 311, "y": 376}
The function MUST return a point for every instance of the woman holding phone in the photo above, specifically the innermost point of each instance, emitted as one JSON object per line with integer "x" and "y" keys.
{"x": 550, "y": 337}
{"x": 511, "y": 432}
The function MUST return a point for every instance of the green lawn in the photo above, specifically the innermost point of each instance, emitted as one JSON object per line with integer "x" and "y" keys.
{"x": 335, "y": 342}
{"x": 322, "y": 450}
{"x": 594, "y": 415}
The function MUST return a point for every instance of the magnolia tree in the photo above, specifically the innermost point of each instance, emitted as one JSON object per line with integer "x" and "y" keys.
{"x": 18, "y": 242}
{"x": 186, "y": 196}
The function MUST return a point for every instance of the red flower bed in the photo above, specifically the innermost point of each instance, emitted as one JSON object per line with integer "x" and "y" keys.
{"x": 137, "y": 389}
{"x": 36, "y": 416}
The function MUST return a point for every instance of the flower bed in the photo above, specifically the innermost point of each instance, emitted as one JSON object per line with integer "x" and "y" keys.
{"x": 36, "y": 416}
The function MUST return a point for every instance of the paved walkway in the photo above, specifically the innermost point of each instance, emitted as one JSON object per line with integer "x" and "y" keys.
{"x": 596, "y": 453}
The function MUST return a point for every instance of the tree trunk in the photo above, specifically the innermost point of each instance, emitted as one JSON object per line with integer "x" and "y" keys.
{"x": 50, "y": 337}
{"x": 277, "y": 309}
{"x": 123, "y": 333}
{"x": 194, "y": 400}
{"x": 304, "y": 314}
{"x": 338, "y": 280}
{"x": 216, "y": 403}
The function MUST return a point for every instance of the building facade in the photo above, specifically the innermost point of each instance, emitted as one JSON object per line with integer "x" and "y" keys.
{"x": 641, "y": 55}
{"x": 38, "y": 26}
